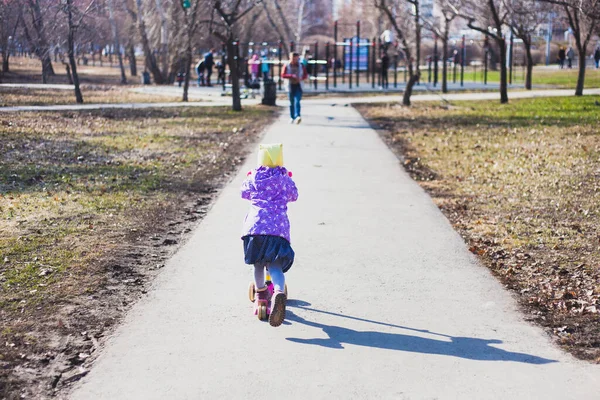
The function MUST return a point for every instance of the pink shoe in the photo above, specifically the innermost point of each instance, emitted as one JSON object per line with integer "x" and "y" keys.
{"x": 277, "y": 314}
{"x": 261, "y": 303}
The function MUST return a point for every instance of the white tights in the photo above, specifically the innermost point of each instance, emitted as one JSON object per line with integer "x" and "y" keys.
{"x": 276, "y": 273}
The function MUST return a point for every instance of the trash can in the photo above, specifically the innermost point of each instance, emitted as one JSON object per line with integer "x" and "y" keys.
{"x": 270, "y": 93}
{"x": 146, "y": 78}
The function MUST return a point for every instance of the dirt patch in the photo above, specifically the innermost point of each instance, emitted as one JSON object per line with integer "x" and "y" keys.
{"x": 92, "y": 204}
{"x": 520, "y": 183}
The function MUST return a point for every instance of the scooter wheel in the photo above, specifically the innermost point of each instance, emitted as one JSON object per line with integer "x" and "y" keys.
{"x": 262, "y": 312}
{"x": 252, "y": 292}
{"x": 285, "y": 290}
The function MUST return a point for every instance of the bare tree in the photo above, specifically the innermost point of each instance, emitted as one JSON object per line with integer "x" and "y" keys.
{"x": 117, "y": 42}
{"x": 276, "y": 27}
{"x": 308, "y": 18}
{"x": 10, "y": 18}
{"x": 177, "y": 45}
{"x": 191, "y": 24}
{"x": 525, "y": 18}
{"x": 132, "y": 39}
{"x": 230, "y": 16}
{"x": 34, "y": 28}
{"x": 402, "y": 26}
{"x": 300, "y": 20}
{"x": 288, "y": 31}
{"x": 583, "y": 17}
{"x": 250, "y": 25}
{"x": 482, "y": 14}
{"x": 441, "y": 28}
{"x": 74, "y": 19}
{"x": 151, "y": 63}
{"x": 164, "y": 37}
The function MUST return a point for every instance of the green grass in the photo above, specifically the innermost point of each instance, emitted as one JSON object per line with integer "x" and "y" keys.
{"x": 544, "y": 112}
{"x": 564, "y": 79}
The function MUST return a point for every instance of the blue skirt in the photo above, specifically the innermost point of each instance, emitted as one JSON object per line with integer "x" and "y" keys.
{"x": 268, "y": 249}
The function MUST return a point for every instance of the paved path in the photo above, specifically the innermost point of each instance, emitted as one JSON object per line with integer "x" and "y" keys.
{"x": 386, "y": 302}
{"x": 43, "y": 86}
{"x": 226, "y": 101}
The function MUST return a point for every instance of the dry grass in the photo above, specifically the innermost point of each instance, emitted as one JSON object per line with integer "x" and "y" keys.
{"x": 521, "y": 183}
{"x": 29, "y": 70}
{"x": 91, "y": 95}
{"x": 88, "y": 202}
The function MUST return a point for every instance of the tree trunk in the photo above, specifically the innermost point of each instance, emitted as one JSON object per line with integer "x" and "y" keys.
{"x": 503, "y": 71}
{"x": 132, "y": 60}
{"x": 5, "y": 65}
{"x": 164, "y": 39}
{"x": 131, "y": 43}
{"x": 187, "y": 69}
{"x": 409, "y": 88}
{"x": 528, "y": 77}
{"x": 68, "y": 69}
{"x": 7, "y": 47}
{"x": 115, "y": 33}
{"x": 71, "y": 52}
{"x": 47, "y": 69}
{"x": 232, "y": 59}
{"x": 42, "y": 48}
{"x": 191, "y": 25}
{"x": 417, "y": 42}
{"x": 188, "y": 60}
{"x": 415, "y": 76}
{"x": 445, "y": 63}
{"x": 300, "y": 20}
{"x": 581, "y": 74}
{"x": 150, "y": 59}
{"x": 121, "y": 66}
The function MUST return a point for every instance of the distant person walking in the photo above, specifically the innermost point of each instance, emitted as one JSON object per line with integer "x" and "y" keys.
{"x": 562, "y": 55}
{"x": 220, "y": 72}
{"x": 265, "y": 68}
{"x": 385, "y": 65}
{"x": 597, "y": 57}
{"x": 254, "y": 67}
{"x": 304, "y": 58}
{"x": 387, "y": 37}
{"x": 570, "y": 57}
{"x": 209, "y": 62}
{"x": 200, "y": 67}
{"x": 295, "y": 73}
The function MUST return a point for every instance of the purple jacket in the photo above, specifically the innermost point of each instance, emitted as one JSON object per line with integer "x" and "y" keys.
{"x": 269, "y": 190}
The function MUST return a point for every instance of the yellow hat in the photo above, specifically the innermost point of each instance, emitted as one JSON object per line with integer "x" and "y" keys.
{"x": 270, "y": 155}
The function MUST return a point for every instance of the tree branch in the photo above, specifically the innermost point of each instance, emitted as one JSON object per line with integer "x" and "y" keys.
{"x": 272, "y": 21}
{"x": 484, "y": 31}
{"x": 247, "y": 10}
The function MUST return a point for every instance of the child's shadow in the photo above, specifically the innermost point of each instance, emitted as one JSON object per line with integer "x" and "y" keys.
{"x": 463, "y": 347}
